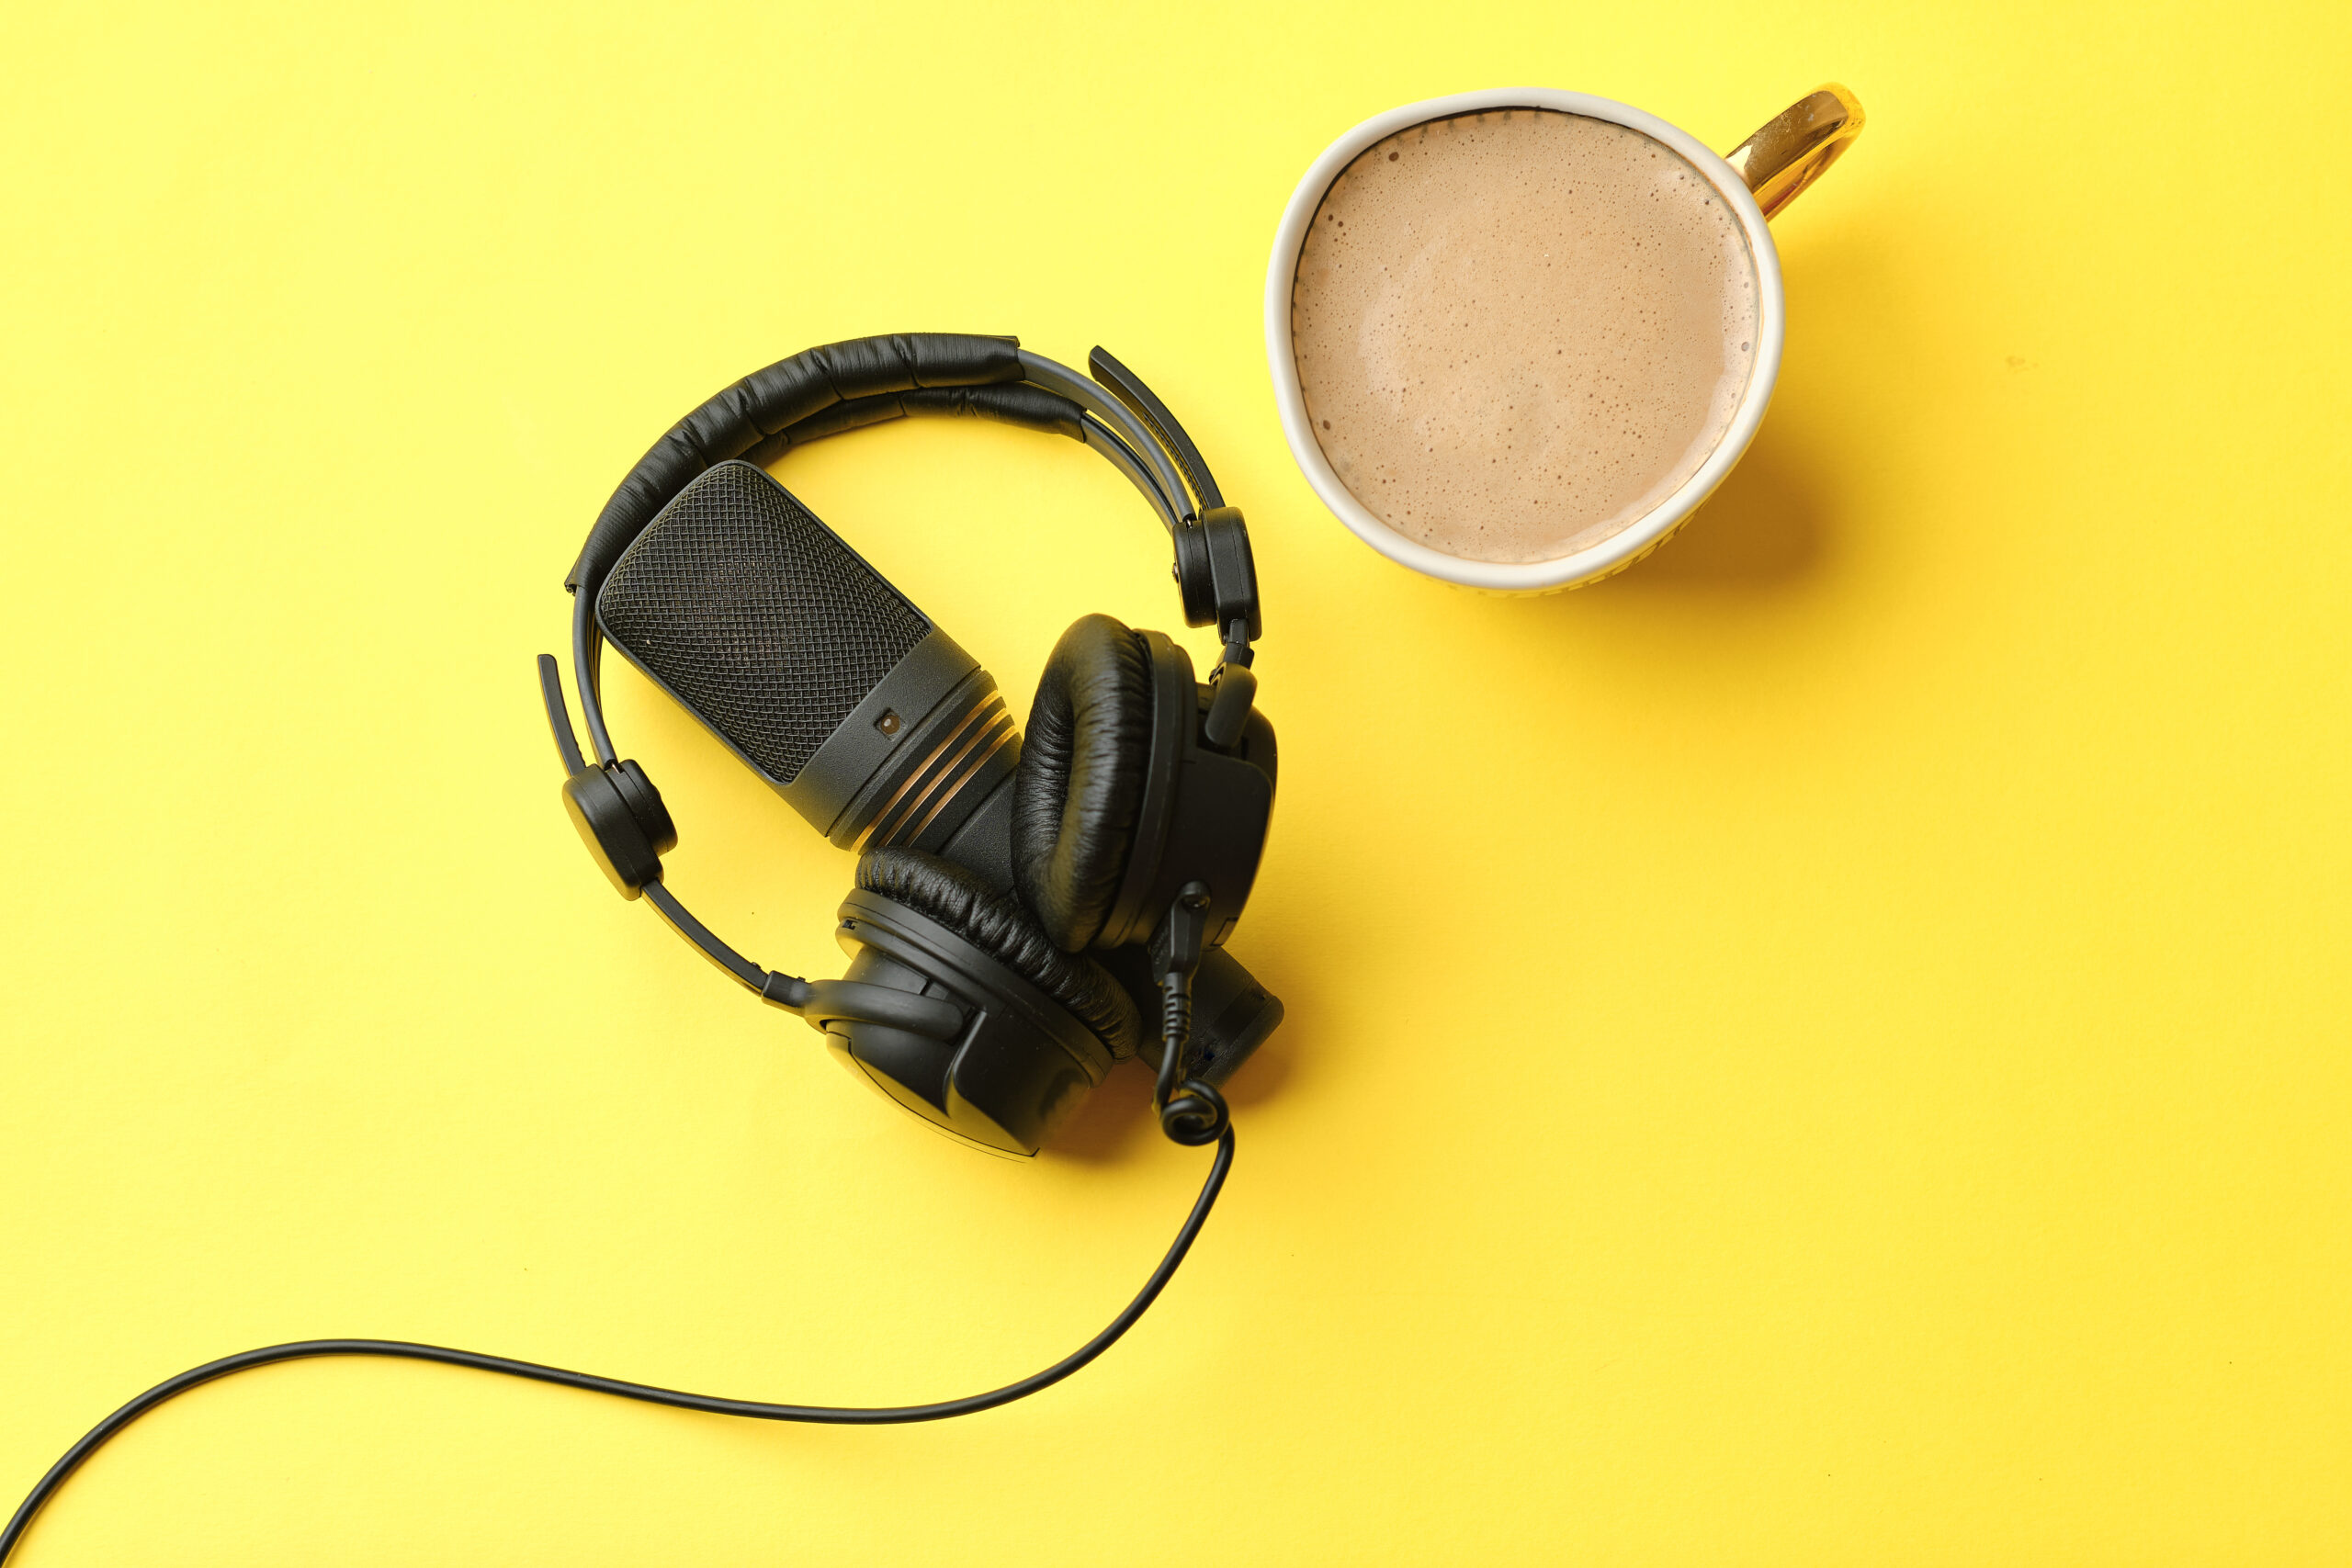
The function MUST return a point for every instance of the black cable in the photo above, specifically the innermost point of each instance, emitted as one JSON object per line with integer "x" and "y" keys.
{"x": 844, "y": 1415}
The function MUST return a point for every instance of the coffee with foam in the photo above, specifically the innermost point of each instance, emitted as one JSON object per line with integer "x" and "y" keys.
{"x": 1519, "y": 331}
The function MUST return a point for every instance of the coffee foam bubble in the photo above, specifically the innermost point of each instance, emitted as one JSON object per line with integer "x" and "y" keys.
{"x": 1518, "y": 332}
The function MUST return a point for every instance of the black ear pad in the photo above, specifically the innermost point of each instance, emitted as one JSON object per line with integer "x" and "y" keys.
{"x": 1080, "y": 784}
{"x": 999, "y": 927}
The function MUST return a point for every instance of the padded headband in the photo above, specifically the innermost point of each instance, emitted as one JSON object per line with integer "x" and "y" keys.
{"x": 844, "y": 386}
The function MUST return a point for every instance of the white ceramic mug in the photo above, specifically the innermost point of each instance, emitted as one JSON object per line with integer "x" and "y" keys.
{"x": 1758, "y": 178}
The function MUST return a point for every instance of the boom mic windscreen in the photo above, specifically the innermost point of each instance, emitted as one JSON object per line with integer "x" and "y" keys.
{"x": 810, "y": 667}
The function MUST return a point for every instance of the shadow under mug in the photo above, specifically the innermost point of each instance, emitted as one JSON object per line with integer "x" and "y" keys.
{"x": 1755, "y": 180}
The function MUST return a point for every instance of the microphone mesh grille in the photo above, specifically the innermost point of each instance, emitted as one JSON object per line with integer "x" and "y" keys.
{"x": 755, "y": 616}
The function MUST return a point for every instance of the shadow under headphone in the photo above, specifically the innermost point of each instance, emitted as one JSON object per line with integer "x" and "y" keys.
{"x": 1011, "y": 903}
{"x": 992, "y": 875}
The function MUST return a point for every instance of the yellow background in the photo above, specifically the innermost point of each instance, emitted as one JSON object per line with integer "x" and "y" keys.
{"x": 1829, "y": 1048}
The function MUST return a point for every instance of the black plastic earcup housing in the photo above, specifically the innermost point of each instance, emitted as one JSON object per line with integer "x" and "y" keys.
{"x": 1233, "y": 1012}
{"x": 1079, "y": 787}
{"x": 621, "y": 818}
{"x": 1042, "y": 1025}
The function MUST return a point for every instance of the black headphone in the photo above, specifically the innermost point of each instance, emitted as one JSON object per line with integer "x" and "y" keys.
{"x": 1129, "y": 828}
{"x": 1134, "y": 814}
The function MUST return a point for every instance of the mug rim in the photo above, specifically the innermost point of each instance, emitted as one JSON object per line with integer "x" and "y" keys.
{"x": 1622, "y": 547}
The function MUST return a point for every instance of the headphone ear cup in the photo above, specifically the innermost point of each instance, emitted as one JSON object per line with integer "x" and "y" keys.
{"x": 1040, "y": 1028}
{"x": 997, "y": 925}
{"x": 1079, "y": 788}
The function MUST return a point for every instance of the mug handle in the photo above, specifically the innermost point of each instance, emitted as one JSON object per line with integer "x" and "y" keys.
{"x": 1796, "y": 146}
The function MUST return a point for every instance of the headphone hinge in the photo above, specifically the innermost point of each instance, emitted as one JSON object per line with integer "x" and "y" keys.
{"x": 1216, "y": 573}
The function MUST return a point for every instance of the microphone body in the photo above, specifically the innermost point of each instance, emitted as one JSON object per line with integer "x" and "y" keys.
{"x": 814, "y": 670}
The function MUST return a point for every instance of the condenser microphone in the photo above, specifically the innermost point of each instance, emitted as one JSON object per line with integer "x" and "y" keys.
{"x": 817, "y": 672}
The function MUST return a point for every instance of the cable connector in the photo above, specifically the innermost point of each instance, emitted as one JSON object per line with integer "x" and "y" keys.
{"x": 1190, "y": 1112}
